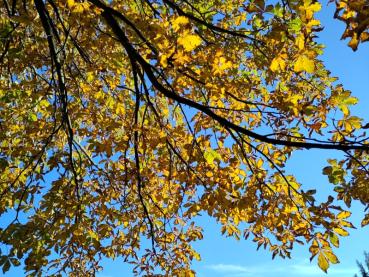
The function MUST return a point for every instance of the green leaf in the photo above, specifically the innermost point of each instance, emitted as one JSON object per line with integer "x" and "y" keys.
{"x": 339, "y": 189}
{"x": 32, "y": 117}
{"x": 278, "y": 10}
{"x": 295, "y": 25}
{"x": 210, "y": 155}
{"x": 333, "y": 238}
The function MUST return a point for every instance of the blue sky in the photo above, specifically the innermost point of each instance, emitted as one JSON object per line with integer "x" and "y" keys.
{"x": 225, "y": 257}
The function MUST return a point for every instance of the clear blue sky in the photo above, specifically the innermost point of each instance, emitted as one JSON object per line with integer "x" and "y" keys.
{"x": 223, "y": 257}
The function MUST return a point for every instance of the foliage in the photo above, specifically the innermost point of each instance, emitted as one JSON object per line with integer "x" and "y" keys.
{"x": 355, "y": 15}
{"x": 121, "y": 121}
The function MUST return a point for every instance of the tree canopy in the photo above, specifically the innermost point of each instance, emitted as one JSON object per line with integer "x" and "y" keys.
{"x": 121, "y": 121}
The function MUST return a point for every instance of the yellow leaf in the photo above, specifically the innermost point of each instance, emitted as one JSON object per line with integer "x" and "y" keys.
{"x": 210, "y": 155}
{"x": 93, "y": 235}
{"x": 303, "y": 63}
{"x": 354, "y": 42}
{"x": 300, "y": 41}
{"x": 311, "y": 9}
{"x": 197, "y": 256}
{"x": 315, "y": 7}
{"x": 343, "y": 215}
{"x": 331, "y": 257}
{"x": 189, "y": 41}
{"x": 221, "y": 64}
{"x": 278, "y": 63}
{"x": 181, "y": 58}
{"x": 323, "y": 262}
{"x": 179, "y": 21}
{"x": 274, "y": 65}
{"x": 44, "y": 103}
{"x": 344, "y": 110}
{"x": 313, "y": 22}
{"x": 209, "y": 174}
{"x": 90, "y": 77}
{"x": 224, "y": 64}
{"x": 163, "y": 61}
{"x": 334, "y": 239}
{"x": 364, "y": 36}
{"x": 341, "y": 232}
{"x": 236, "y": 220}
{"x": 70, "y": 3}
{"x": 78, "y": 8}
{"x": 259, "y": 163}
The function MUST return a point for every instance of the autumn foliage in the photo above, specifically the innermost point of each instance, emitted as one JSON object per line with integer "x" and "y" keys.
{"x": 121, "y": 121}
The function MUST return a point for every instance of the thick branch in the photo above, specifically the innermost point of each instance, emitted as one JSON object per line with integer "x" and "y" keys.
{"x": 221, "y": 120}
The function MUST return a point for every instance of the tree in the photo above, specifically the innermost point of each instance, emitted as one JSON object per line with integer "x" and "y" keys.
{"x": 363, "y": 271}
{"x": 123, "y": 120}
